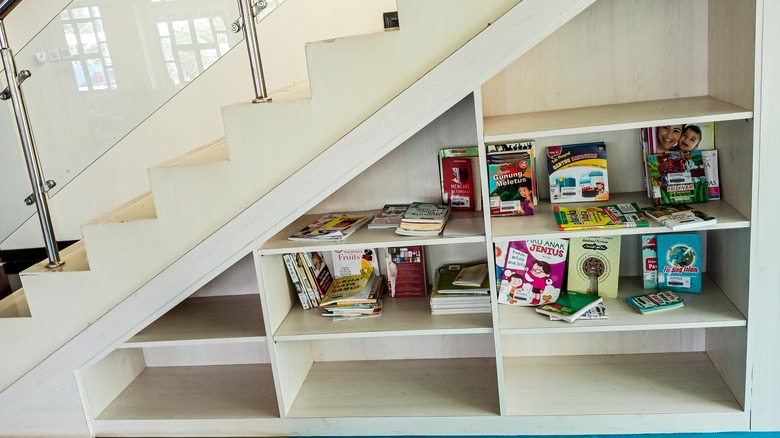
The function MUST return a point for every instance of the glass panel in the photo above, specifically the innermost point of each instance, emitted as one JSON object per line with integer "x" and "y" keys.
{"x": 80, "y": 102}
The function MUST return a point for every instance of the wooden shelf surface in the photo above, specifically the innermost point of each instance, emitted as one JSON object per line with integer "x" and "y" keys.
{"x": 402, "y": 388}
{"x": 542, "y": 224}
{"x": 400, "y": 317}
{"x": 611, "y": 118}
{"x": 362, "y": 238}
{"x": 218, "y": 319}
{"x": 658, "y": 383}
{"x": 711, "y": 308}
{"x": 199, "y": 392}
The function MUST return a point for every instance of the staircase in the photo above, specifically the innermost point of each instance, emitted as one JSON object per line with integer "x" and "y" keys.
{"x": 211, "y": 207}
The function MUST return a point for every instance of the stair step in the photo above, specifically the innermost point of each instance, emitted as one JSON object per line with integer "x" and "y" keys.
{"x": 213, "y": 152}
{"x": 139, "y": 208}
{"x": 15, "y": 305}
{"x": 74, "y": 256}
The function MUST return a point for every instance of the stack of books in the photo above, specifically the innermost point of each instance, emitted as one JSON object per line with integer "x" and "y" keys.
{"x": 364, "y": 304}
{"x": 424, "y": 219}
{"x": 570, "y": 306}
{"x": 461, "y": 289}
{"x": 332, "y": 227}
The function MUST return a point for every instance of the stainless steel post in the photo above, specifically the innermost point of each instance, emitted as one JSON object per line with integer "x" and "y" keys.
{"x": 253, "y": 47}
{"x": 37, "y": 181}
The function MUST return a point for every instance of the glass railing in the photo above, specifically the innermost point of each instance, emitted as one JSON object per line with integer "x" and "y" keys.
{"x": 99, "y": 69}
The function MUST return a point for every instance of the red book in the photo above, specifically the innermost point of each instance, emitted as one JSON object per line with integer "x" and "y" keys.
{"x": 458, "y": 183}
{"x": 406, "y": 272}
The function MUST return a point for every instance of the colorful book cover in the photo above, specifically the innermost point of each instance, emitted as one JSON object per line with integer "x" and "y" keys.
{"x": 354, "y": 261}
{"x": 678, "y": 177}
{"x": 332, "y": 227}
{"x": 472, "y": 154}
{"x": 678, "y": 217}
{"x": 578, "y": 172}
{"x": 594, "y": 265}
{"x": 710, "y": 160}
{"x": 533, "y": 272}
{"x": 511, "y": 178}
{"x": 626, "y": 215}
{"x": 649, "y": 262}
{"x": 656, "y": 301}
{"x": 349, "y": 289}
{"x": 679, "y": 262}
{"x": 320, "y": 270}
{"x": 406, "y": 272}
{"x": 389, "y": 217}
{"x": 458, "y": 188}
{"x": 499, "y": 254}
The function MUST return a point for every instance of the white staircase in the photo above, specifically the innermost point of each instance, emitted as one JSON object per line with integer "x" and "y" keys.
{"x": 369, "y": 93}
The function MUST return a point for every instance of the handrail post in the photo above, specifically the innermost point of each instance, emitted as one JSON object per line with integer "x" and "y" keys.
{"x": 39, "y": 186}
{"x": 247, "y": 22}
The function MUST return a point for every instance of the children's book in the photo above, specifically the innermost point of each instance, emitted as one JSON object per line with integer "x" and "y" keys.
{"x": 594, "y": 265}
{"x": 710, "y": 160}
{"x": 354, "y": 261}
{"x": 319, "y": 270}
{"x": 533, "y": 272}
{"x": 459, "y": 184}
{"x": 656, "y": 301}
{"x": 569, "y": 306}
{"x": 349, "y": 289}
{"x": 679, "y": 262}
{"x": 626, "y": 215}
{"x": 406, "y": 272}
{"x": 678, "y": 217}
{"x": 678, "y": 177}
{"x": 649, "y": 262}
{"x": 389, "y": 217}
{"x": 499, "y": 254}
{"x": 512, "y": 178}
{"x": 578, "y": 172}
{"x": 332, "y": 227}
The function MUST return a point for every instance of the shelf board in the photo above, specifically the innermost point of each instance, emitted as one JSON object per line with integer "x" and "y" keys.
{"x": 218, "y": 319}
{"x": 198, "y": 393}
{"x": 402, "y": 388}
{"x": 362, "y": 238}
{"x": 400, "y": 317}
{"x": 698, "y": 109}
{"x": 542, "y": 224}
{"x": 663, "y": 383}
{"x": 711, "y": 308}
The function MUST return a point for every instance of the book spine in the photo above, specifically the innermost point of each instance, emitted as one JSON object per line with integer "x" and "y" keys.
{"x": 308, "y": 279}
{"x": 292, "y": 270}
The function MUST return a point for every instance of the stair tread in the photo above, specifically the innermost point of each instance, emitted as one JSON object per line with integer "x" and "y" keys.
{"x": 139, "y": 208}
{"x": 15, "y": 305}
{"x": 213, "y": 152}
{"x": 74, "y": 256}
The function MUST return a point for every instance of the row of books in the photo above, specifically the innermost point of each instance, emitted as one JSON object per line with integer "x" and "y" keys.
{"x": 676, "y": 217}
{"x": 572, "y": 306}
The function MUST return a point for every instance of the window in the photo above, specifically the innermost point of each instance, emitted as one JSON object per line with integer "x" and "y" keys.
{"x": 190, "y": 46}
{"x": 88, "y": 48}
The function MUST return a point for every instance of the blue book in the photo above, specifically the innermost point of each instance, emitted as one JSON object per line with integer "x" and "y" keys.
{"x": 679, "y": 262}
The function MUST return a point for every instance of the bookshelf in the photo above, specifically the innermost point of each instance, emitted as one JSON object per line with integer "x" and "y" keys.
{"x": 682, "y": 370}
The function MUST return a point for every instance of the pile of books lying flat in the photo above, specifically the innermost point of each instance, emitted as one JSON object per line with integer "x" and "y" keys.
{"x": 424, "y": 219}
{"x": 354, "y": 297}
{"x": 571, "y": 306}
{"x": 461, "y": 289}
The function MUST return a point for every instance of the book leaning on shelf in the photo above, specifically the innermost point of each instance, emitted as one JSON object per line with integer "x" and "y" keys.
{"x": 627, "y": 215}
{"x": 350, "y": 289}
{"x": 332, "y": 227}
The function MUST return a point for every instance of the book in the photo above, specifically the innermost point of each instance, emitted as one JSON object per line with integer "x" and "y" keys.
{"x": 578, "y": 172}
{"x": 332, "y": 227}
{"x": 464, "y": 224}
{"x": 569, "y": 306}
{"x": 307, "y": 277}
{"x": 350, "y": 289}
{"x": 472, "y": 276}
{"x": 424, "y": 218}
{"x": 678, "y": 217}
{"x": 533, "y": 272}
{"x": 292, "y": 270}
{"x": 626, "y": 215}
{"x": 656, "y": 301}
{"x": 710, "y": 160}
{"x": 363, "y": 304}
{"x": 461, "y": 192}
{"x": 445, "y": 277}
{"x": 594, "y": 265}
{"x": 599, "y": 311}
{"x": 406, "y": 272}
{"x": 649, "y": 262}
{"x": 389, "y": 217}
{"x": 678, "y": 177}
{"x": 354, "y": 261}
{"x": 319, "y": 270}
{"x": 679, "y": 262}
{"x": 512, "y": 178}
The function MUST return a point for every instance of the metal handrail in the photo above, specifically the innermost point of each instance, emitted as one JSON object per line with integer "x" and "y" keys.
{"x": 246, "y": 21}
{"x": 14, "y": 92}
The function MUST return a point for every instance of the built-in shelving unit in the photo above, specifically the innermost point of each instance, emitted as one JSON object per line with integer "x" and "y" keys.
{"x": 259, "y": 355}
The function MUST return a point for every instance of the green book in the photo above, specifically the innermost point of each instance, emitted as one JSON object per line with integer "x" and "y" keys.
{"x": 570, "y": 306}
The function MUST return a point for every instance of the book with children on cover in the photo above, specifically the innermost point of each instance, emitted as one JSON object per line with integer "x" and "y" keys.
{"x": 533, "y": 272}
